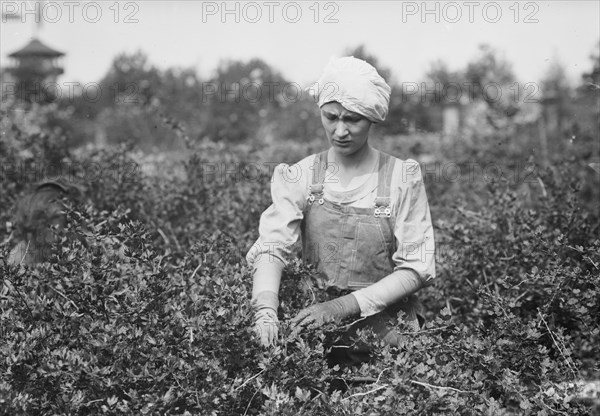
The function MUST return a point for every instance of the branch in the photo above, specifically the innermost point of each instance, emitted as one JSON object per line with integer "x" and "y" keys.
{"x": 7, "y": 239}
{"x": 366, "y": 379}
{"x": 420, "y": 383}
{"x": 195, "y": 270}
{"x": 25, "y": 254}
{"x": 251, "y": 378}
{"x": 556, "y": 343}
{"x": 420, "y": 331}
{"x": 58, "y": 292}
{"x": 380, "y": 374}
{"x": 251, "y": 398}
{"x": 365, "y": 393}
{"x": 552, "y": 410}
{"x": 591, "y": 261}
{"x": 164, "y": 237}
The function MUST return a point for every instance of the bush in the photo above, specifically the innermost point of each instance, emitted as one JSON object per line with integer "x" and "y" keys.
{"x": 143, "y": 307}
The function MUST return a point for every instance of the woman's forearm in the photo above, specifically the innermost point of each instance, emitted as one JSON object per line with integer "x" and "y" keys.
{"x": 267, "y": 275}
{"x": 386, "y": 292}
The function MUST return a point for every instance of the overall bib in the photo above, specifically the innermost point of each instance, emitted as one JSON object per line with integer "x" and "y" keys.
{"x": 353, "y": 247}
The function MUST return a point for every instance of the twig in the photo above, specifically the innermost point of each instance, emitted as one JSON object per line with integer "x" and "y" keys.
{"x": 440, "y": 387}
{"x": 573, "y": 248}
{"x": 591, "y": 261}
{"x": 544, "y": 193}
{"x": 251, "y": 378}
{"x": 380, "y": 374}
{"x": 93, "y": 401}
{"x": 101, "y": 223}
{"x": 162, "y": 234}
{"x": 556, "y": 343}
{"x": 553, "y": 410}
{"x": 7, "y": 239}
{"x": 361, "y": 380}
{"x": 20, "y": 296}
{"x": 179, "y": 384}
{"x": 197, "y": 399}
{"x": 521, "y": 295}
{"x": 312, "y": 292}
{"x": 487, "y": 283}
{"x": 424, "y": 330}
{"x": 354, "y": 322}
{"x": 251, "y": 398}
{"x": 367, "y": 379}
{"x": 195, "y": 270}
{"x": 65, "y": 297}
{"x": 174, "y": 237}
{"x": 365, "y": 393}
{"x": 318, "y": 395}
{"x": 25, "y": 254}
{"x": 557, "y": 290}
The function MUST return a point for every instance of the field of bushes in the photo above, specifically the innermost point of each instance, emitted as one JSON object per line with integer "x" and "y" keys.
{"x": 143, "y": 307}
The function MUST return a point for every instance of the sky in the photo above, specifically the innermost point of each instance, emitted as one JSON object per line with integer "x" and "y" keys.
{"x": 299, "y": 38}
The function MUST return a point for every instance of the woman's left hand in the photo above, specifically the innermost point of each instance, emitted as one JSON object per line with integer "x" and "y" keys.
{"x": 334, "y": 310}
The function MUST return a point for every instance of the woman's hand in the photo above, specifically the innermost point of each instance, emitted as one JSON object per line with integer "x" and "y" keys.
{"x": 334, "y": 310}
{"x": 266, "y": 326}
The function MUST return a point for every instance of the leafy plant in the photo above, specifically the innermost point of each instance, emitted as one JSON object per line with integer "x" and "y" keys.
{"x": 143, "y": 306}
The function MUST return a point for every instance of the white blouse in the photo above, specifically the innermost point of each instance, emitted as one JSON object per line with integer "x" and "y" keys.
{"x": 279, "y": 226}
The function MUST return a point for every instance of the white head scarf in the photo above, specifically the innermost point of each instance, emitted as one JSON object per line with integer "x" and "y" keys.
{"x": 356, "y": 85}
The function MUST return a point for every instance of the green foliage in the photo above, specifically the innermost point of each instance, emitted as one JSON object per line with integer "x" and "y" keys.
{"x": 143, "y": 306}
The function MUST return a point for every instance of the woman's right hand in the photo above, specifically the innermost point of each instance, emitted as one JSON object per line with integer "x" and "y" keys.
{"x": 266, "y": 326}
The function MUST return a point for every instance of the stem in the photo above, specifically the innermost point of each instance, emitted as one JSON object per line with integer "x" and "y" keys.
{"x": 420, "y": 383}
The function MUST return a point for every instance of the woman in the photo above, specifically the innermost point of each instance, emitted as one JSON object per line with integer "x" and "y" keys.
{"x": 37, "y": 214}
{"x": 362, "y": 215}
{"x": 42, "y": 213}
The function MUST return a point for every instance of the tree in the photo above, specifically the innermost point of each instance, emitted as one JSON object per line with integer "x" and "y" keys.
{"x": 448, "y": 84}
{"x": 242, "y": 97}
{"x": 555, "y": 81}
{"x": 586, "y": 121}
{"x": 591, "y": 80}
{"x": 131, "y": 79}
{"x": 489, "y": 77}
{"x": 488, "y": 67}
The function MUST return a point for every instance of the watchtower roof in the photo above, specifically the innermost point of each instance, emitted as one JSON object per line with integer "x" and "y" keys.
{"x": 36, "y": 48}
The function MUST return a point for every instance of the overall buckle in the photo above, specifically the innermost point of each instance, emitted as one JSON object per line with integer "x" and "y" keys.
{"x": 315, "y": 190}
{"x": 382, "y": 207}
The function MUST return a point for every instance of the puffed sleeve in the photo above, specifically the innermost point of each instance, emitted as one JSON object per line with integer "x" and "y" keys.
{"x": 279, "y": 226}
{"x": 413, "y": 228}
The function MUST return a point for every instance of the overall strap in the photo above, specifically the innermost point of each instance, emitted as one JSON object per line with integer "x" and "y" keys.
{"x": 319, "y": 169}
{"x": 384, "y": 181}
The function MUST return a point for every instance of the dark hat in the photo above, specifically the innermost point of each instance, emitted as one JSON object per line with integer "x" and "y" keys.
{"x": 71, "y": 189}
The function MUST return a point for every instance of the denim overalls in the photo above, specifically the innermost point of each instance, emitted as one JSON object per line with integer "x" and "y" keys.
{"x": 353, "y": 247}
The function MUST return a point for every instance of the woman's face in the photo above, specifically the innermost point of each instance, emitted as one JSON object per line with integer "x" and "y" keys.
{"x": 347, "y": 131}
